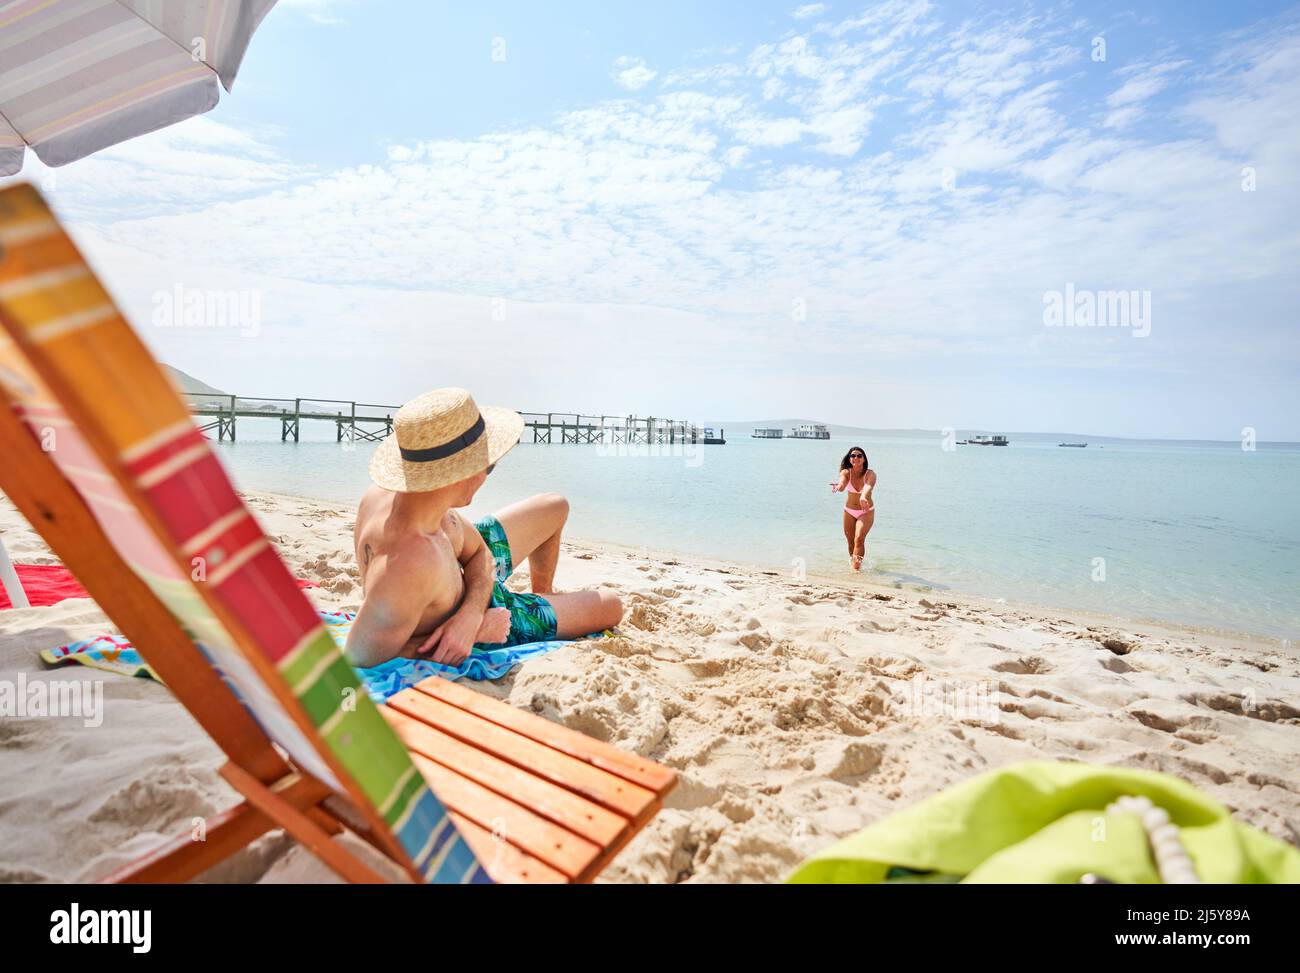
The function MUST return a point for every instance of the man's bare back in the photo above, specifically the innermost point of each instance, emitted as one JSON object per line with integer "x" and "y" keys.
{"x": 391, "y": 553}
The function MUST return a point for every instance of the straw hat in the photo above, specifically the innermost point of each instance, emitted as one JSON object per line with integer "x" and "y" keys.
{"x": 440, "y": 438}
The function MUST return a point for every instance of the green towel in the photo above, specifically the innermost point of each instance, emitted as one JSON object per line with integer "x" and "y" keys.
{"x": 1041, "y": 821}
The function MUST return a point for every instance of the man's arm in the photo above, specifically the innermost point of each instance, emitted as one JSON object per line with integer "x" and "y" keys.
{"x": 452, "y": 641}
{"x": 391, "y": 610}
{"x": 480, "y": 572}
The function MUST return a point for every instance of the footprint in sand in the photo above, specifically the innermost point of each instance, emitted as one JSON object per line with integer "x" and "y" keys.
{"x": 870, "y": 626}
{"x": 1168, "y": 718}
{"x": 1237, "y": 704}
{"x": 645, "y": 617}
{"x": 857, "y": 760}
{"x": 19, "y": 734}
{"x": 1027, "y": 665}
{"x": 157, "y": 801}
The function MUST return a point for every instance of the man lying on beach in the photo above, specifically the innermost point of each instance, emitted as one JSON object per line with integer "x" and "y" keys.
{"x": 434, "y": 582}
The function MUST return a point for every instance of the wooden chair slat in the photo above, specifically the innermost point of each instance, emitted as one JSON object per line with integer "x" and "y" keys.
{"x": 606, "y": 789}
{"x": 569, "y": 810}
{"x": 503, "y": 861}
{"x": 625, "y": 764}
{"x": 544, "y": 840}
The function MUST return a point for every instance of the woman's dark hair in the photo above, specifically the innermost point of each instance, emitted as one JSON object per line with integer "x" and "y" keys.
{"x": 846, "y": 465}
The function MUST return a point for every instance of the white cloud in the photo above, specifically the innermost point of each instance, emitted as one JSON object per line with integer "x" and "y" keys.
{"x": 1143, "y": 82}
{"x": 632, "y": 73}
{"x": 808, "y": 11}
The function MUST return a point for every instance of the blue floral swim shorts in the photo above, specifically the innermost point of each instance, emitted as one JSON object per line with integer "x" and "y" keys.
{"x": 532, "y": 619}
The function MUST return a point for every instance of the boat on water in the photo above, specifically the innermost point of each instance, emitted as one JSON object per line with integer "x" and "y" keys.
{"x": 711, "y": 440}
{"x": 810, "y": 430}
{"x": 768, "y": 434}
{"x": 1073, "y": 445}
{"x": 985, "y": 441}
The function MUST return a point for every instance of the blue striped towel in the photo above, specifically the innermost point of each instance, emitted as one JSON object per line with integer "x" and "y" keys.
{"x": 484, "y": 662}
{"x": 113, "y": 653}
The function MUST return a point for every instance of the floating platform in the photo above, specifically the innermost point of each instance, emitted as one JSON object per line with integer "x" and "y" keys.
{"x": 810, "y": 431}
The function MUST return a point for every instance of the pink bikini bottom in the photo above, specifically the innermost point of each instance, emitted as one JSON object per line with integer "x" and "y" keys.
{"x": 857, "y": 514}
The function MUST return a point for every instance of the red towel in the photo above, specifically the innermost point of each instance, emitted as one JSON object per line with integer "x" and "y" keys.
{"x": 45, "y": 584}
{"x": 49, "y": 584}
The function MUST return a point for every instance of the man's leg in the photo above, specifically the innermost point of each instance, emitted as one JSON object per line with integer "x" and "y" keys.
{"x": 533, "y": 529}
{"x": 579, "y": 613}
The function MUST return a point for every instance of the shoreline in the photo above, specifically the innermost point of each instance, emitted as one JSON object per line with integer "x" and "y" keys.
{"x": 1150, "y": 626}
{"x": 795, "y": 712}
{"x": 1153, "y": 626}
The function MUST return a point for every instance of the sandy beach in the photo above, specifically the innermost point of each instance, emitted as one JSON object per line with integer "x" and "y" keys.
{"x": 796, "y": 711}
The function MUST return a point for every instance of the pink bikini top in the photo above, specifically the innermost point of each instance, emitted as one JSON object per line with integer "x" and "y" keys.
{"x": 848, "y": 486}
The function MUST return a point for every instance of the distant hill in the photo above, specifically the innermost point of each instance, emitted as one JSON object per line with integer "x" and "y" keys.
{"x": 188, "y": 383}
{"x": 220, "y": 400}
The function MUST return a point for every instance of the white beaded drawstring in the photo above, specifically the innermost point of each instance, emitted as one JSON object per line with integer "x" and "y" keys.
{"x": 1172, "y": 861}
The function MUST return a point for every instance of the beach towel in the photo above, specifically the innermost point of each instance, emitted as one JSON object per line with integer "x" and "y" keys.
{"x": 49, "y": 584}
{"x": 45, "y": 584}
{"x": 484, "y": 662}
{"x": 113, "y": 653}
{"x": 1044, "y": 821}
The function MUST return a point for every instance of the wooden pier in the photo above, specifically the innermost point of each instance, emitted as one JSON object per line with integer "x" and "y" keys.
{"x": 364, "y": 422}
{"x": 353, "y": 421}
{"x": 570, "y": 427}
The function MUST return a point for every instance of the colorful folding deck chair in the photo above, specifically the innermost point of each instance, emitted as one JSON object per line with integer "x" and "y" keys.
{"x": 102, "y": 458}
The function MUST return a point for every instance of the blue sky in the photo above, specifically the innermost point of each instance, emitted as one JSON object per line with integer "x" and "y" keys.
{"x": 851, "y": 212}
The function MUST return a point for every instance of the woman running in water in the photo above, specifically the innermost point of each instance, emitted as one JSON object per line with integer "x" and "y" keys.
{"x": 859, "y": 507}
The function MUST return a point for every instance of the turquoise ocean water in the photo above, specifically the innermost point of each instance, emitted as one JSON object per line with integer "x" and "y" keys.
{"x": 1203, "y": 534}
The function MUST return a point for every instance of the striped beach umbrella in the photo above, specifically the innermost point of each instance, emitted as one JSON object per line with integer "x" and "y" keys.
{"x": 77, "y": 76}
